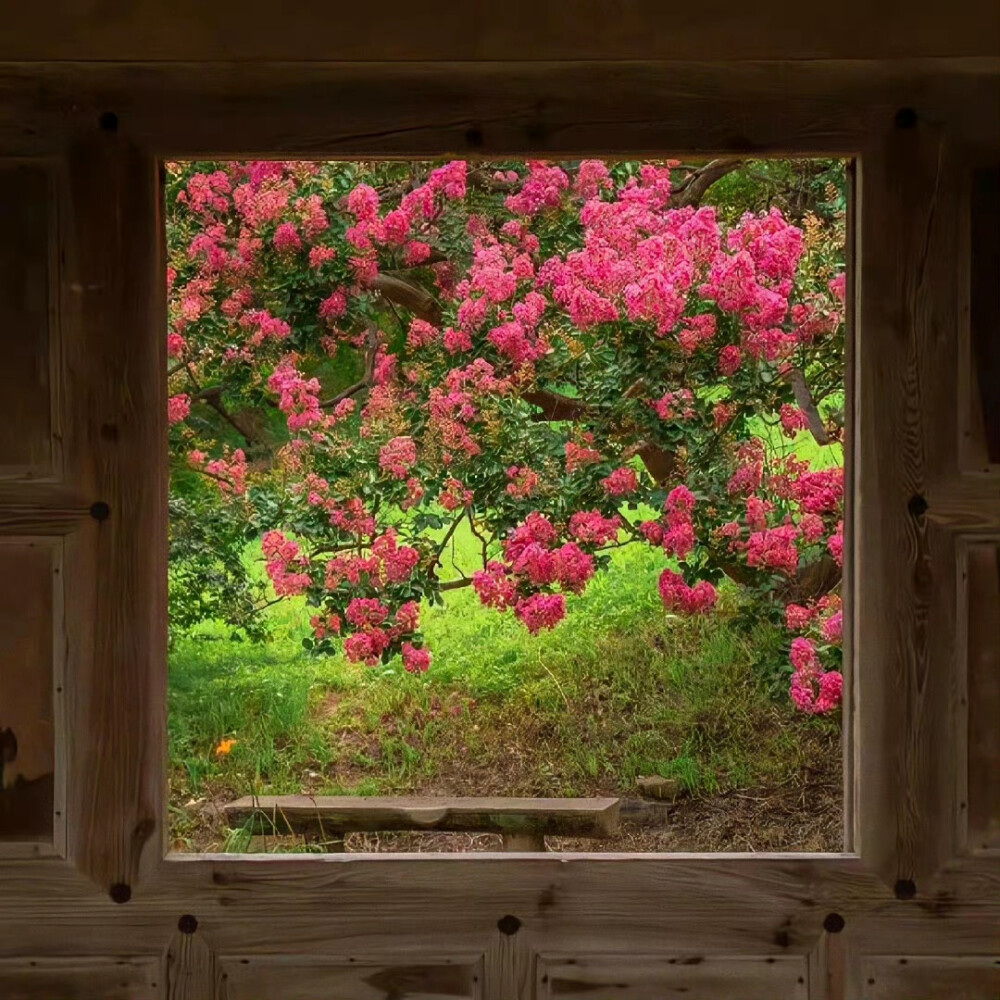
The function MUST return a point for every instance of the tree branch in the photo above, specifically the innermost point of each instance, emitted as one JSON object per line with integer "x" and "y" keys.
{"x": 803, "y": 397}
{"x": 409, "y": 295}
{"x": 212, "y": 398}
{"x": 693, "y": 187}
{"x": 555, "y": 406}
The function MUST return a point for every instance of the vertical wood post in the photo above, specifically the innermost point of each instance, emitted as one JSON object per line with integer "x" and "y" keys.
{"x": 113, "y": 294}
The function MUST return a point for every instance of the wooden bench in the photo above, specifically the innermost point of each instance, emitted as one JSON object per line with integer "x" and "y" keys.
{"x": 522, "y": 823}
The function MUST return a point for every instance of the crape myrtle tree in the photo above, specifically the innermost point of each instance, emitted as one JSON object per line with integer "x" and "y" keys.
{"x": 560, "y": 358}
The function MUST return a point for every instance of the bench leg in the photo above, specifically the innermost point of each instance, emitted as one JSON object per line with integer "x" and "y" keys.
{"x": 524, "y": 842}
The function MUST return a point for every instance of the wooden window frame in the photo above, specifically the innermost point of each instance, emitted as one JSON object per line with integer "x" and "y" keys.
{"x": 908, "y": 886}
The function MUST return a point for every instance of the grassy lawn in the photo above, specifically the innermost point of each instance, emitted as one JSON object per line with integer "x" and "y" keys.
{"x": 620, "y": 689}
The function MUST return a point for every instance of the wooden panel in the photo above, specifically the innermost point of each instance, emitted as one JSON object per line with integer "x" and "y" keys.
{"x": 906, "y": 754}
{"x": 544, "y": 29}
{"x": 80, "y": 979}
{"x": 931, "y": 978}
{"x": 982, "y": 608}
{"x": 984, "y": 316}
{"x": 30, "y": 608}
{"x": 305, "y": 977}
{"x": 487, "y": 109}
{"x": 693, "y": 977}
{"x": 25, "y": 376}
{"x": 116, "y": 560}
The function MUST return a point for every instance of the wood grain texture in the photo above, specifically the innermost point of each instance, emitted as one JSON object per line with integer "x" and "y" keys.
{"x": 931, "y": 978}
{"x": 488, "y": 109}
{"x": 907, "y": 674}
{"x": 690, "y": 976}
{"x": 982, "y": 620}
{"x": 545, "y": 29}
{"x": 41, "y": 978}
{"x": 984, "y": 313}
{"x": 26, "y": 383}
{"x": 116, "y": 445}
{"x": 190, "y": 967}
{"x": 319, "y": 815}
{"x": 311, "y": 977}
{"x": 28, "y": 610}
{"x": 398, "y": 913}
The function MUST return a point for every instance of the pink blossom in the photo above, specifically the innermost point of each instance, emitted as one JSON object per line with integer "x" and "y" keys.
{"x": 592, "y": 528}
{"x": 495, "y": 587}
{"x": 178, "y": 407}
{"x": 793, "y": 419}
{"x": 363, "y": 203}
{"x": 416, "y": 252}
{"x": 835, "y": 543}
{"x": 456, "y": 341}
{"x": 622, "y": 482}
{"x": 803, "y": 654}
{"x": 833, "y": 628}
{"x": 578, "y": 456}
{"x": 524, "y": 481}
{"x": 798, "y": 617}
{"x": 397, "y": 457}
{"x": 416, "y": 661}
{"x": 675, "y": 405}
{"x": 678, "y": 596}
{"x": 541, "y": 611}
{"x": 730, "y": 360}
{"x": 366, "y": 647}
{"x": 175, "y": 345}
{"x": 334, "y": 306}
{"x": 320, "y": 255}
{"x": 366, "y": 611}
{"x": 287, "y": 239}
{"x": 774, "y": 549}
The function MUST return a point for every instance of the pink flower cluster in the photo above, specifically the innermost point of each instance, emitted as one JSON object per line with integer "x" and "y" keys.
{"x": 592, "y": 528}
{"x": 579, "y": 455}
{"x": 286, "y": 566}
{"x": 388, "y": 563}
{"x": 398, "y": 457}
{"x": 229, "y": 472}
{"x": 677, "y": 405}
{"x": 297, "y": 396}
{"x": 678, "y": 596}
{"x": 621, "y": 483}
{"x": 523, "y": 481}
{"x": 813, "y": 689}
{"x": 178, "y": 407}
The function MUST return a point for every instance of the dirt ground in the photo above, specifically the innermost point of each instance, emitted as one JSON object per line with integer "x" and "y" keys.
{"x": 801, "y": 815}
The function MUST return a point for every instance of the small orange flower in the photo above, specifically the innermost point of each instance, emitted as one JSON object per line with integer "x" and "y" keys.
{"x": 224, "y": 748}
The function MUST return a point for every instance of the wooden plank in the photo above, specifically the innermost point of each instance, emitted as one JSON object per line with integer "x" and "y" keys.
{"x": 155, "y": 29}
{"x": 982, "y": 619}
{"x": 113, "y": 303}
{"x": 935, "y": 977}
{"x": 597, "y": 817}
{"x": 28, "y": 619}
{"x": 984, "y": 312}
{"x": 486, "y": 109}
{"x": 26, "y": 382}
{"x": 907, "y": 670}
{"x": 190, "y": 969}
{"x": 41, "y": 509}
{"x": 311, "y": 977}
{"x": 693, "y": 976}
{"x": 42, "y": 978}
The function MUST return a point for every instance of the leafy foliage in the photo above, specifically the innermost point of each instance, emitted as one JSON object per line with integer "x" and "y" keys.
{"x": 366, "y": 356}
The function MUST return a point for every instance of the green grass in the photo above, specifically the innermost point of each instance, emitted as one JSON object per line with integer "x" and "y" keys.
{"x": 619, "y": 689}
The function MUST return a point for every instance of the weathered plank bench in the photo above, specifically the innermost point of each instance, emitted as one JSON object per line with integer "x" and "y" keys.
{"x": 521, "y": 823}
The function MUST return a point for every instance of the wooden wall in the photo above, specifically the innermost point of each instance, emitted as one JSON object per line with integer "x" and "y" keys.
{"x": 912, "y": 910}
